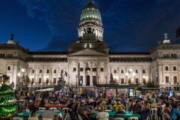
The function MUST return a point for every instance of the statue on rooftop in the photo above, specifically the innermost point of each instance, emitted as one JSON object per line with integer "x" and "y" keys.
{"x": 12, "y": 36}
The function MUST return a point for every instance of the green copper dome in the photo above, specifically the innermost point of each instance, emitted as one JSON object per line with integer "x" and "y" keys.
{"x": 91, "y": 12}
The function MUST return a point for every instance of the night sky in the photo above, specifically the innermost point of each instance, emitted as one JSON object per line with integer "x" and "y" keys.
{"x": 50, "y": 25}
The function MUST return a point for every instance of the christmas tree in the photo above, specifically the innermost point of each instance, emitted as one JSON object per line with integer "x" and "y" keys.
{"x": 7, "y": 100}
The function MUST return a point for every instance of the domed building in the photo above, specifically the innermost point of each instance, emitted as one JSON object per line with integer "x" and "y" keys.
{"x": 89, "y": 65}
{"x": 91, "y": 18}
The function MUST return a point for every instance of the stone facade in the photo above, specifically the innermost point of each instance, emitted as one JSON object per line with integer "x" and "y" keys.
{"x": 89, "y": 63}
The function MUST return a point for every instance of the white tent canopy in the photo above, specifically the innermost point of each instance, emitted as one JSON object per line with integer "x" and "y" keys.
{"x": 48, "y": 89}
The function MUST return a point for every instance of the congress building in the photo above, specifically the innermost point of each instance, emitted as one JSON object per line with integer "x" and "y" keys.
{"x": 89, "y": 64}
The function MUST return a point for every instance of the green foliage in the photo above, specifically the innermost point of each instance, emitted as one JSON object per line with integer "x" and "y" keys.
{"x": 150, "y": 84}
{"x": 27, "y": 80}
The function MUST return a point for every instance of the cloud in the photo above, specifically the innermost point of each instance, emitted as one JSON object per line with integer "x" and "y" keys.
{"x": 130, "y": 25}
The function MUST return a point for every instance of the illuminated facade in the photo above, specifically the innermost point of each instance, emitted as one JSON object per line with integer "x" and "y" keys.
{"x": 89, "y": 63}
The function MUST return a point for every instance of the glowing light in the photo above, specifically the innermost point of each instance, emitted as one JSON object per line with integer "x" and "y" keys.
{"x": 19, "y": 74}
{"x": 127, "y": 74}
{"x": 22, "y": 70}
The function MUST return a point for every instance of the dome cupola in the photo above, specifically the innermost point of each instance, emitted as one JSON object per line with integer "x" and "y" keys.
{"x": 91, "y": 12}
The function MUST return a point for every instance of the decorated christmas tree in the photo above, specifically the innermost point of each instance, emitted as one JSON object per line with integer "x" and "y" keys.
{"x": 7, "y": 100}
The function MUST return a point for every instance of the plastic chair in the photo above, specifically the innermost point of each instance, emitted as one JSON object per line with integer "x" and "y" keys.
{"x": 133, "y": 118}
{"x": 65, "y": 110}
{"x": 47, "y": 119}
{"x": 42, "y": 108}
{"x": 154, "y": 113}
{"x": 166, "y": 116}
{"x": 53, "y": 109}
{"x": 17, "y": 118}
{"x": 107, "y": 110}
{"x": 119, "y": 118}
{"x": 51, "y": 102}
{"x": 79, "y": 117}
{"x": 33, "y": 118}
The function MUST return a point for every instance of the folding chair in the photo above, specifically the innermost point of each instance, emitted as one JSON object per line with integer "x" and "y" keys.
{"x": 133, "y": 118}
{"x": 17, "y": 118}
{"x": 53, "y": 109}
{"x": 42, "y": 108}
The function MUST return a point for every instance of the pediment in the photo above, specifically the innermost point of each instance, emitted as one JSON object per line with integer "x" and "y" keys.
{"x": 88, "y": 52}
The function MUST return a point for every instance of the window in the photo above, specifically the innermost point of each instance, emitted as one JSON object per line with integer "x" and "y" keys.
{"x": 47, "y": 71}
{"x": 144, "y": 71}
{"x": 62, "y": 71}
{"x": 39, "y": 80}
{"x": 175, "y": 88}
{"x": 54, "y": 80}
{"x": 174, "y": 68}
{"x": 122, "y": 80}
{"x": 137, "y": 81}
{"x": 144, "y": 80}
{"x": 9, "y": 67}
{"x": 167, "y": 79}
{"x": 115, "y": 71}
{"x": 166, "y": 68}
{"x": 173, "y": 55}
{"x": 40, "y": 71}
{"x": 175, "y": 79}
{"x": 33, "y": 71}
{"x": 122, "y": 71}
{"x": 88, "y": 69}
{"x": 94, "y": 69}
{"x": 2, "y": 55}
{"x": 81, "y": 69}
{"x": 102, "y": 69}
{"x": 74, "y": 69}
{"x": 32, "y": 80}
{"x": 169, "y": 88}
{"x": 136, "y": 71}
{"x": 54, "y": 71}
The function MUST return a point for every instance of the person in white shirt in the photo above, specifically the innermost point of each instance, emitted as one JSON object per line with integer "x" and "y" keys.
{"x": 102, "y": 115}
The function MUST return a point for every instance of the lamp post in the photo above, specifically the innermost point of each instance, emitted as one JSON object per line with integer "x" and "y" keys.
{"x": 76, "y": 83}
{"x": 106, "y": 84}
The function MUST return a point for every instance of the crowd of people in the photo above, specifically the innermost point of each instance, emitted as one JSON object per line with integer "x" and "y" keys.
{"x": 86, "y": 107}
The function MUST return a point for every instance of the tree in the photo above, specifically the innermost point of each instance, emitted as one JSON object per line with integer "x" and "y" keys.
{"x": 7, "y": 100}
{"x": 150, "y": 84}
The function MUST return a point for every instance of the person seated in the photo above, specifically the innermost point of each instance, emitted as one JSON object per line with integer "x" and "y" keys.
{"x": 83, "y": 113}
{"x": 120, "y": 111}
{"x": 174, "y": 112}
{"x": 33, "y": 114}
{"x": 168, "y": 108}
{"x": 37, "y": 104}
{"x": 102, "y": 115}
{"x": 46, "y": 101}
{"x": 89, "y": 108}
{"x": 50, "y": 114}
{"x": 137, "y": 108}
{"x": 99, "y": 106}
{"x": 147, "y": 105}
{"x": 30, "y": 105}
{"x": 119, "y": 104}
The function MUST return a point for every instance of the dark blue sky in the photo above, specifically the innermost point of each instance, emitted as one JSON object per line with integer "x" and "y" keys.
{"x": 50, "y": 25}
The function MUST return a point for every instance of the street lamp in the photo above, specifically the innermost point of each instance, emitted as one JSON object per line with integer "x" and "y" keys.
{"x": 76, "y": 82}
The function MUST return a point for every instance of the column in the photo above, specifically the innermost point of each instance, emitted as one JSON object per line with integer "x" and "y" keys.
{"x": 84, "y": 73}
{"x": 91, "y": 78}
{"x": 141, "y": 76}
{"x": 126, "y": 78}
{"x": 36, "y": 74}
{"x": 15, "y": 69}
{"x": 170, "y": 77}
{"x": 119, "y": 82}
{"x": 161, "y": 79}
{"x": 77, "y": 71}
{"x": 178, "y": 78}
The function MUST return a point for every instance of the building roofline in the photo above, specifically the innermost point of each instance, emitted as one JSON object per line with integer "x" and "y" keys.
{"x": 47, "y": 53}
{"x": 129, "y": 53}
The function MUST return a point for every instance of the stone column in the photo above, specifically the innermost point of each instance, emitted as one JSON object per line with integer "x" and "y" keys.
{"x": 77, "y": 74}
{"x": 141, "y": 75}
{"x": 170, "y": 77}
{"x": 36, "y": 74}
{"x": 126, "y": 78}
{"x": 84, "y": 74}
{"x": 178, "y": 78}
{"x": 15, "y": 75}
{"x": 160, "y": 71}
{"x": 91, "y": 77}
{"x": 119, "y": 82}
